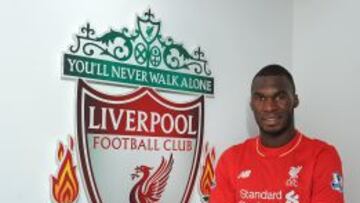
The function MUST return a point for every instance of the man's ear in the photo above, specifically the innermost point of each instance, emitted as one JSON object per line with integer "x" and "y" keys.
{"x": 296, "y": 101}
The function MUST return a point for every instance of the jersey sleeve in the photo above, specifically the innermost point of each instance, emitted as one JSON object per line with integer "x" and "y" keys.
{"x": 328, "y": 178}
{"x": 224, "y": 190}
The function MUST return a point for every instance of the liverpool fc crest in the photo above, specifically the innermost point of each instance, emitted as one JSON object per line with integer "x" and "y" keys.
{"x": 138, "y": 146}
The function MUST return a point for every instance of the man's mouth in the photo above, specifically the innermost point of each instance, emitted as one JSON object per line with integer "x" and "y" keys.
{"x": 271, "y": 120}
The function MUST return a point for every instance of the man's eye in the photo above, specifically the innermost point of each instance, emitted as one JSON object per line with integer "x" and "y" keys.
{"x": 281, "y": 96}
{"x": 259, "y": 98}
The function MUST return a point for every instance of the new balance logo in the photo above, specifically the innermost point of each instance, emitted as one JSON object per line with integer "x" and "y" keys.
{"x": 244, "y": 174}
{"x": 292, "y": 197}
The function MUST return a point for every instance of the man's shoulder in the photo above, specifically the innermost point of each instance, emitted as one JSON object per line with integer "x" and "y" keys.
{"x": 240, "y": 148}
{"x": 317, "y": 145}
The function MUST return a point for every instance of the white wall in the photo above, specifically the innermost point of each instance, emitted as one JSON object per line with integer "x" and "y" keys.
{"x": 38, "y": 108}
{"x": 318, "y": 39}
{"x": 326, "y": 65}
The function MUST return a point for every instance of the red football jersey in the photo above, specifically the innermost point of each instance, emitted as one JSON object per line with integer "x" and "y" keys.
{"x": 303, "y": 171}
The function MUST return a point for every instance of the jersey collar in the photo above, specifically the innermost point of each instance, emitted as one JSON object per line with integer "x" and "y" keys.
{"x": 278, "y": 151}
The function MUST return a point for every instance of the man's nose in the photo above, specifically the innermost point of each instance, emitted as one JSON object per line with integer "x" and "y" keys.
{"x": 270, "y": 105}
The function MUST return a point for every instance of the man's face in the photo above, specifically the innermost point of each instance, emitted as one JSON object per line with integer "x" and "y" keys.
{"x": 273, "y": 101}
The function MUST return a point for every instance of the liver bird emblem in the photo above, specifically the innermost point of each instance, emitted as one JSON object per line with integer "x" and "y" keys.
{"x": 294, "y": 171}
{"x": 150, "y": 187}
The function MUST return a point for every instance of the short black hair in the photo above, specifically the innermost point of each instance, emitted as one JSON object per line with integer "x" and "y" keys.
{"x": 275, "y": 70}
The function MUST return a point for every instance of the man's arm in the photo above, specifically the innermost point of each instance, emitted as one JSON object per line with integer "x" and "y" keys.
{"x": 223, "y": 191}
{"x": 328, "y": 178}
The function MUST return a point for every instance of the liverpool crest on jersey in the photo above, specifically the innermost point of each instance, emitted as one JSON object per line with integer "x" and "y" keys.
{"x": 138, "y": 147}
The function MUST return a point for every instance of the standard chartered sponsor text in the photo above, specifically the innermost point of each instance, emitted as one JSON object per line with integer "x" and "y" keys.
{"x": 260, "y": 195}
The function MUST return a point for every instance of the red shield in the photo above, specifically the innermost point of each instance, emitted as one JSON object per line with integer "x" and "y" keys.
{"x": 139, "y": 147}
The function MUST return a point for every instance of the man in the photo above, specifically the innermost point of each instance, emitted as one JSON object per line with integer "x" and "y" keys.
{"x": 281, "y": 165}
